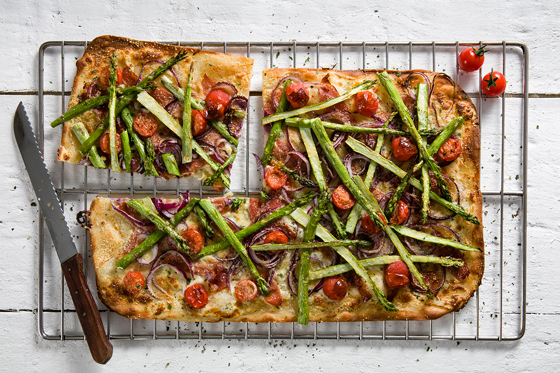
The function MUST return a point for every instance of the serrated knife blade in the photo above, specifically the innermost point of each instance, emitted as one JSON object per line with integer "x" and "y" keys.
{"x": 71, "y": 261}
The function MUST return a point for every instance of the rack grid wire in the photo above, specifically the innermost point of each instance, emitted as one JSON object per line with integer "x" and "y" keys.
{"x": 497, "y": 311}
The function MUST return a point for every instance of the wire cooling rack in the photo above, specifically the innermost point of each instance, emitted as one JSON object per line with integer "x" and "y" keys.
{"x": 496, "y": 312}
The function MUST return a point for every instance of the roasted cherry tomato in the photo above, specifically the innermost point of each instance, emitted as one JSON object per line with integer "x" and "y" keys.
{"x": 401, "y": 214}
{"x": 216, "y": 103}
{"x": 194, "y": 239}
{"x": 275, "y": 297}
{"x": 449, "y": 151}
{"x": 366, "y": 103}
{"x": 106, "y": 74}
{"x": 198, "y": 123}
{"x": 471, "y": 59}
{"x": 145, "y": 124}
{"x": 196, "y": 296}
{"x": 396, "y": 274}
{"x": 276, "y": 237}
{"x": 162, "y": 96}
{"x": 403, "y": 149}
{"x": 369, "y": 226}
{"x": 275, "y": 177}
{"x": 246, "y": 290}
{"x": 493, "y": 83}
{"x": 297, "y": 95}
{"x": 128, "y": 77}
{"x": 133, "y": 282}
{"x": 342, "y": 198}
{"x": 335, "y": 288}
{"x": 105, "y": 144}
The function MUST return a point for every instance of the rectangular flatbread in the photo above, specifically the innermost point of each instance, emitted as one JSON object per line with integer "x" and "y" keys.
{"x": 135, "y": 60}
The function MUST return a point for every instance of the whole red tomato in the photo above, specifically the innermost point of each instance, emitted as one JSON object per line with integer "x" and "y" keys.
{"x": 471, "y": 59}
{"x": 493, "y": 83}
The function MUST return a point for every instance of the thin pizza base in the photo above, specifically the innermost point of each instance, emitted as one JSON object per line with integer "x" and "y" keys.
{"x": 218, "y": 67}
{"x": 449, "y": 101}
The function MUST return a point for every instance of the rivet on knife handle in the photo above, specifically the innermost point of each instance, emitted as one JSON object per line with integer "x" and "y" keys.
{"x": 99, "y": 345}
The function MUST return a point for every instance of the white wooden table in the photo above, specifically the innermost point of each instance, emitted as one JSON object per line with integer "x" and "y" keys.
{"x": 24, "y": 27}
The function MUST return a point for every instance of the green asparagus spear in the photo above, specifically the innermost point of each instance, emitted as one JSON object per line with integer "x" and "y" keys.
{"x": 305, "y": 259}
{"x": 146, "y": 208}
{"x": 82, "y": 107}
{"x": 276, "y": 129}
{"x": 222, "y": 129}
{"x": 171, "y": 164}
{"x": 383, "y": 260}
{"x": 149, "y": 165}
{"x": 421, "y": 236}
{"x": 115, "y": 167}
{"x": 204, "y": 221}
{"x": 155, "y": 237}
{"x": 359, "y": 147}
{"x": 392, "y": 204}
{"x": 311, "y": 245}
{"x": 82, "y": 135}
{"x": 407, "y": 119}
{"x": 126, "y": 115}
{"x": 294, "y": 175}
{"x": 187, "y": 128}
{"x": 422, "y": 111}
{"x": 323, "y": 105}
{"x": 305, "y": 123}
{"x": 214, "y": 214}
{"x": 257, "y": 226}
{"x": 210, "y": 181}
{"x": 127, "y": 153}
{"x": 179, "y": 93}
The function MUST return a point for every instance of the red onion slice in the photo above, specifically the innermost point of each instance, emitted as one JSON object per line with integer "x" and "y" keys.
{"x": 433, "y": 274}
{"x": 177, "y": 259}
{"x": 159, "y": 280}
{"x": 439, "y": 212}
{"x": 259, "y": 165}
{"x": 348, "y": 162}
{"x": 301, "y": 157}
{"x": 149, "y": 256}
{"x": 276, "y": 94}
{"x": 128, "y": 216}
{"x": 228, "y": 88}
{"x": 169, "y": 208}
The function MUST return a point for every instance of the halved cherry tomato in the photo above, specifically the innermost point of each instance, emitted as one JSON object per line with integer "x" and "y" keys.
{"x": 194, "y": 239}
{"x": 275, "y": 297}
{"x": 342, "y": 198}
{"x": 246, "y": 290}
{"x": 106, "y": 146}
{"x": 198, "y": 123}
{"x": 196, "y": 296}
{"x": 366, "y": 103}
{"x": 275, "y": 178}
{"x": 106, "y": 74}
{"x": 449, "y": 151}
{"x": 128, "y": 77}
{"x": 493, "y": 83}
{"x": 133, "y": 282}
{"x": 369, "y": 226}
{"x": 276, "y": 237}
{"x": 396, "y": 274}
{"x": 297, "y": 94}
{"x": 401, "y": 214}
{"x": 162, "y": 96}
{"x": 403, "y": 148}
{"x": 335, "y": 288}
{"x": 145, "y": 124}
{"x": 216, "y": 103}
{"x": 471, "y": 59}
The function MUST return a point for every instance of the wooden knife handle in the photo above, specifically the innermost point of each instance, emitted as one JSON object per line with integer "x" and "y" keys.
{"x": 88, "y": 313}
